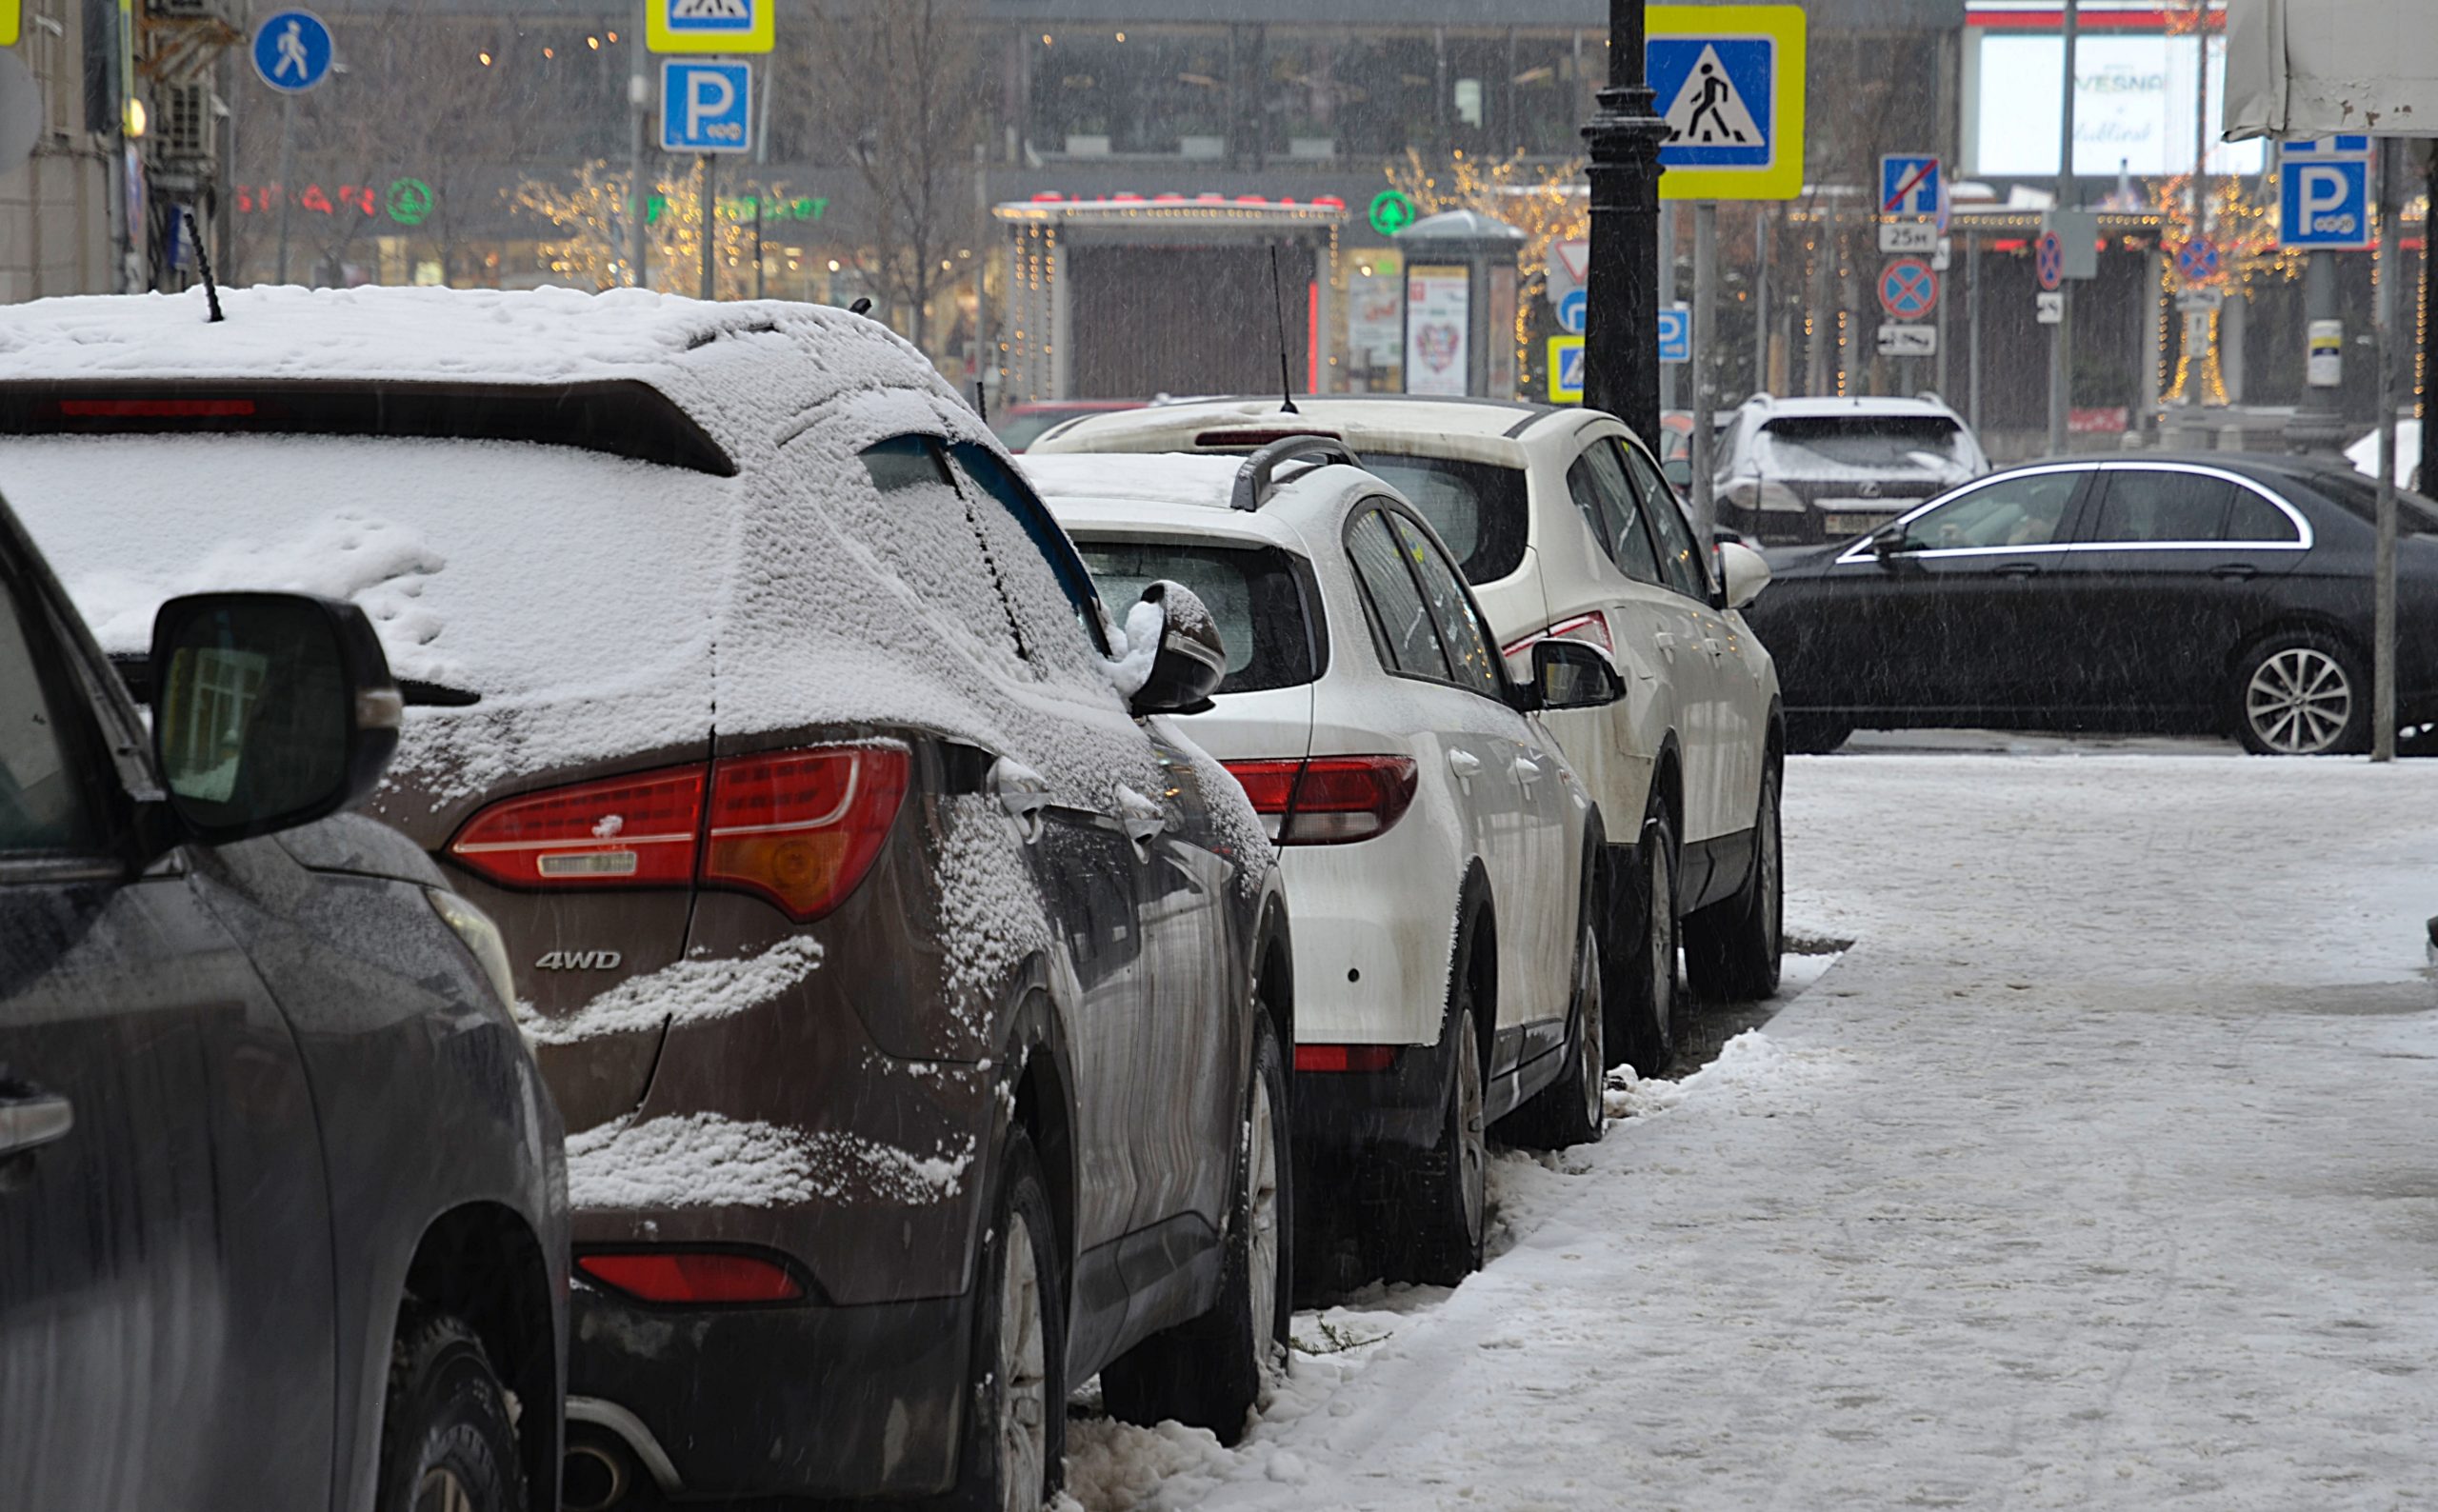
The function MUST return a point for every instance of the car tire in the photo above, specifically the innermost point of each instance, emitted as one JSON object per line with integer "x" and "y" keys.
{"x": 1816, "y": 734}
{"x": 2302, "y": 694}
{"x": 1015, "y": 1431}
{"x": 1442, "y": 1194}
{"x": 448, "y": 1441}
{"x": 1573, "y": 1110}
{"x": 1208, "y": 1373}
{"x": 1645, "y": 1019}
{"x": 1733, "y": 948}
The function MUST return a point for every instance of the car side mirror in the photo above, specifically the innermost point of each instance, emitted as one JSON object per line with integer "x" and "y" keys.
{"x": 1892, "y": 547}
{"x": 270, "y": 710}
{"x": 1190, "y": 660}
{"x": 1743, "y": 572}
{"x": 1570, "y": 675}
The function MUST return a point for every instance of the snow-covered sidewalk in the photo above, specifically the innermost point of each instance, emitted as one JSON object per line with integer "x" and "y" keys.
{"x": 2102, "y": 1171}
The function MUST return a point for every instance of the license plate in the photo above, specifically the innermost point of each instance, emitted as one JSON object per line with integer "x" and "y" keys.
{"x": 1840, "y": 522}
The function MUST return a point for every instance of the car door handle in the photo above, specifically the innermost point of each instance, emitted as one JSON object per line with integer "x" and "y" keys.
{"x": 2020, "y": 570}
{"x": 1023, "y": 792}
{"x": 1527, "y": 770}
{"x": 1666, "y": 640}
{"x": 1465, "y": 765}
{"x": 2234, "y": 572}
{"x": 32, "y": 1120}
{"x": 1713, "y": 645}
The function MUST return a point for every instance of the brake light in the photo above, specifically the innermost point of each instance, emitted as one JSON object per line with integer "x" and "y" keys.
{"x": 1258, "y": 437}
{"x": 621, "y": 833}
{"x": 1345, "y": 1057}
{"x": 1592, "y": 628}
{"x": 798, "y": 827}
{"x": 801, "y": 828}
{"x": 692, "y": 1276}
{"x": 156, "y": 409}
{"x": 1328, "y": 800}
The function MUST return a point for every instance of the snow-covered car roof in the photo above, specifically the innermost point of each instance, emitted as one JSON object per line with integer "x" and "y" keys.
{"x": 1811, "y": 408}
{"x": 1489, "y": 430}
{"x": 1183, "y": 493}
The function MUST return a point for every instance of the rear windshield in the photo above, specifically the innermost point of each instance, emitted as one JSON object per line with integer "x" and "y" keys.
{"x": 1478, "y": 507}
{"x": 1799, "y": 444}
{"x": 1251, "y": 592}
{"x": 2359, "y": 496}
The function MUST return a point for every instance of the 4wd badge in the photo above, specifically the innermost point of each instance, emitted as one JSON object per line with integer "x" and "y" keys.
{"x": 579, "y": 960}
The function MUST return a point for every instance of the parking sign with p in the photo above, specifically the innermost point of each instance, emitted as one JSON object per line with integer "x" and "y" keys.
{"x": 2324, "y": 194}
{"x": 706, "y": 107}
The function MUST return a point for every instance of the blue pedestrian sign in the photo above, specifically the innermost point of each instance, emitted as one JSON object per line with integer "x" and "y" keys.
{"x": 292, "y": 52}
{"x": 1718, "y": 92}
{"x": 706, "y": 107}
{"x": 1908, "y": 185}
{"x": 1676, "y": 334}
{"x": 1575, "y": 309}
{"x": 2324, "y": 194}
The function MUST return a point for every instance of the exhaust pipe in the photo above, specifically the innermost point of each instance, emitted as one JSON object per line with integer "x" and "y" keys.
{"x": 598, "y": 1473}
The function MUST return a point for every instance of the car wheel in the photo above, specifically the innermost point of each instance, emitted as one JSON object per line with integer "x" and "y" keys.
{"x": 1573, "y": 1110}
{"x": 448, "y": 1443}
{"x": 1208, "y": 1373}
{"x": 1733, "y": 948}
{"x": 1015, "y": 1437}
{"x": 1643, "y": 1020}
{"x": 2302, "y": 694}
{"x": 1445, "y": 1193}
{"x": 1816, "y": 734}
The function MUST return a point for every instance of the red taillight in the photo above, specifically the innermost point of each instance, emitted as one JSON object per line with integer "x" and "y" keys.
{"x": 1592, "y": 628}
{"x": 624, "y": 832}
{"x": 799, "y": 827}
{"x": 1328, "y": 800}
{"x": 1345, "y": 1057}
{"x": 692, "y": 1276}
{"x": 156, "y": 409}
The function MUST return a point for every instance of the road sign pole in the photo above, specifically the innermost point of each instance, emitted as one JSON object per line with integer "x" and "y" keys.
{"x": 1621, "y": 362}
{"x": 1972, "y": 332}
{"x": 1761, "y": 249}
{"x": 2061, "y": 342}
{"x": 2383, "y": 666}
{"x": 286, "y": 171}
{"x": 638, "y": 192}
{"x": 710, "y": 211}
{"x": 1705, "y": 358}
{"x": 1667, "y": 295}
{"x": 2316, "y": 424}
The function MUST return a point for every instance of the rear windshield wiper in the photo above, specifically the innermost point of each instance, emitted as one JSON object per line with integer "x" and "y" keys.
{"x": 136, "y": 672}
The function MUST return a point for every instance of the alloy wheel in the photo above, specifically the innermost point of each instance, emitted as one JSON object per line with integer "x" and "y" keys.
{"x": 1591, "y": 1033}
{"x": 442, "y": 1490}
{"x": 1024, "y": 1375}
{"x": 1660, "y": 947}
{"x": 1772, "y": 898}
{"x": 1472, "y": 1140}
{"x": 1261, "y": 1248}
{"x": 2299, "y": 702}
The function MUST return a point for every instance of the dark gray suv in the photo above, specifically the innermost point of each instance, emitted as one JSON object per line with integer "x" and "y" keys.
{"x": 282, "y": 1216}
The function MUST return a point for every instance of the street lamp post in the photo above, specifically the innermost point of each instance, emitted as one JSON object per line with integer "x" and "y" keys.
{"x": 1620, "y": 340}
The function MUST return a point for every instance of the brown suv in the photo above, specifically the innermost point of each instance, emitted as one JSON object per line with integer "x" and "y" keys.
{"x": 917, "y": 1008}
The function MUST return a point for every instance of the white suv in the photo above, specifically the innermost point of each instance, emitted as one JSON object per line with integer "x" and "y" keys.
{"x": 1565, "y": 527}
{"x": 1805, "y": 471}
{"x": 1439, "y": 854}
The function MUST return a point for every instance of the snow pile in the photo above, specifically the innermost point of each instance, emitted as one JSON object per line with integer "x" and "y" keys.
{"x": 1166, "y": 477}
{"x": 683, "y": 992}
{"x": 1140, "y": 647}
{"x": 1752, "y": 1068}
{"x": 703, "y": 1160}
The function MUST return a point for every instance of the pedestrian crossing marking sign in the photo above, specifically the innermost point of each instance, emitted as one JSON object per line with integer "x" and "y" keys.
{"x": 710, "y": 26}
{"x": 1566, "y": 370}
{"x": 1729, "y": 80}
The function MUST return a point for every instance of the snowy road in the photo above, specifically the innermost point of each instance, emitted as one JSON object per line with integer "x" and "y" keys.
{"x": 2103, "y": 1171}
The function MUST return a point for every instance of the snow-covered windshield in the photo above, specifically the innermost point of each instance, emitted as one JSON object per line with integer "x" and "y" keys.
{"x": 1877, "y": 443}
{"x": 1250, "y": 591}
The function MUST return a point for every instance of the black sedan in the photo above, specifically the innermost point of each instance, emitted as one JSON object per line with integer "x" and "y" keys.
{"x": 2167, "y": 595}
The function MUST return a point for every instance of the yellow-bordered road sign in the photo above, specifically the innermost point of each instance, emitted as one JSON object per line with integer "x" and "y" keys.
{"x": 1729, "y": 83}
{"x": 706, "y": 26}
{"x": 9, "y": 9}
{"x": 1566, "y": 370}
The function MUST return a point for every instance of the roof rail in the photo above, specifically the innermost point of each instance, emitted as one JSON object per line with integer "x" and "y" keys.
{"x": 1931, "y": 396}
{"x": 1253, "y": 480}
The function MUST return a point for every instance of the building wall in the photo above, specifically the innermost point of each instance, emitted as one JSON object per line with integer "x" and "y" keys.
{"x": 54, "y": 210}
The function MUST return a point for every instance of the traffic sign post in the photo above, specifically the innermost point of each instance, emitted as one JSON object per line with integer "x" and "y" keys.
{"x": 293, "y": 51}
{"x": 2196, "y": 261}
{"x": 1908, "y": 288}
{"x": 1675, "y": 333}
{"x": 710, "y": 26}
{"x": 1566, "y": 370}
{"x": 1730, "y": 82}
{"x": 2048, "y": 307}
{"x": 1573, "y": 311}
{"x": 2049, "y": 261}
{"x": 1908, "y": 341}
{"x": 2324, "y": 194}
{"x": 706, "y": 107}
{"x": 1911, "y": 183}
{"x": 1909, "y": 236}
{"x": 1392, "y": 211}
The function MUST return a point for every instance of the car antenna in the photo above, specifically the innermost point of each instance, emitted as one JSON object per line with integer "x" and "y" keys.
{"x": 1278, "y": 307}
{"x": 203, "y": 260}
{"x": 863, "y": 306}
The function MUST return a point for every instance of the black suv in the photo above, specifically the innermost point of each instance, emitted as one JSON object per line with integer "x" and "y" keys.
{"x": 283, "y": 1212}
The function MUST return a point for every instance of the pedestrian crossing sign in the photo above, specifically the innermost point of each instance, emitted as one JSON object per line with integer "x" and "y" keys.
{"x": 1566, "y": 370}
{"x": 1729, "y": 80}
{"x": 710, "y": 26}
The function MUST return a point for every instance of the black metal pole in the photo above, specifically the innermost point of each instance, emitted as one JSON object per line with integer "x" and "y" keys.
{"x": 1620, "y": 341}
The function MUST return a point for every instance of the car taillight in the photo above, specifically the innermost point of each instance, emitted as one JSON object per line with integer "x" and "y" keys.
{"x": 692, "y": 1276}
{"x": 621, "y": 832}
{"x": 1592, "y": 628}
{"x": 1345, "y": 1057}
{"x": 1328, "y": 800}
{"x": 798, "y": 827}
{"x": 801, "y": 828}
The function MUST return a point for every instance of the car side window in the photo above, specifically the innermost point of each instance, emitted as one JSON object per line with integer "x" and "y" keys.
{"x": 914, "y": 520}
{"x": 1409, "y": 641}
{"x": 1461, "y": 631}
{"x": 2027, "y": 509}
{"x": 1683, "y": 562}
{"x": 1648, "y": 488}
{"x": 2254, "y": 520}
{"x": 2143, "y": 506}
{"x": 44, "y": 805}
{"x": 1020, "y": 525}
{"x": 1597, "y": 481}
